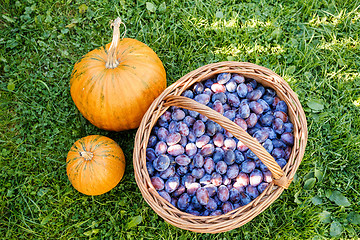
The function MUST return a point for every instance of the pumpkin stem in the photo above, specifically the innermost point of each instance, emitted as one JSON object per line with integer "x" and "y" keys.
{"x": 87, "y": 155}
{"x": 112, "y": 62}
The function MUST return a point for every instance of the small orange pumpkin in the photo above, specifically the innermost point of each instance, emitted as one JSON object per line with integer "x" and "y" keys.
{"x": 113, "y": 86}
{"x": 95, "y": 164}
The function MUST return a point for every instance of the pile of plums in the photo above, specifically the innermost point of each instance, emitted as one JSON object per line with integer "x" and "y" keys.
{"x": 198, "y": 166}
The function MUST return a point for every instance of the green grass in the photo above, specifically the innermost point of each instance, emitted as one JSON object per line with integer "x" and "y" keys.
{"x": 312, "y": 44}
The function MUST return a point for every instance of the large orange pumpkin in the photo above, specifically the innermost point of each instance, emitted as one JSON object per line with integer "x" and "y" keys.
{"x": 95, "y": 164}
{"x": 113, "y": 86}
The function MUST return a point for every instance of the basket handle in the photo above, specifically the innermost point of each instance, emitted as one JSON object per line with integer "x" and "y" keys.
{"x": 279, "y": 177}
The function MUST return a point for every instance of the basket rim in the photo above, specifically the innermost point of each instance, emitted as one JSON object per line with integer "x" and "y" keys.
{"x": 241, "y": 215}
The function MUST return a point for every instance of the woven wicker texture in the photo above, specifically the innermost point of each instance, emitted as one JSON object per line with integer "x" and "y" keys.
{"x": 281, "y": 177}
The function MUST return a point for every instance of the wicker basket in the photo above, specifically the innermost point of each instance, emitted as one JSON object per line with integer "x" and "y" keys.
{"x": 281, "y": 177}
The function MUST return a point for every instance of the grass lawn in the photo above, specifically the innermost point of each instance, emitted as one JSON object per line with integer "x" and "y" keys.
{"x": 313, "y": 44}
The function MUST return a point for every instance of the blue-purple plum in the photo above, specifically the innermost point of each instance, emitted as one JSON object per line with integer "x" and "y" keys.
{"x": 268, "y": 145}
{"x": 281, "y": 106}
{"x": 189, "y": 120}
{"x": 218, "y": 88}
{"x": 178, "y": 115}
{"x": 206, "y": 179}
{"x": 254, "y": 95}
{"x": 266, "y": 120}
{"x": 150, "y": 168}
{"x": 229, "y": 144}
{"x": 251, "y": 120}
{"x": 223, "y": 78}
{"x": 169, "y": 172}
{"x": 268, "y": 99}
{"x": 188, "y": 94}
{"x": 152, "y": 141}
{"x": 218, "y": 139}
{"x": 192, "y": 188}
{"x": 251, "y": 155}
{"x": 209, "y": 165}
{"x": 267, "y": 176}
{"x": 183, "y": 129}
{"x": 261, "y": 135}
{"x": 216, "y": 213}
{"x": 161, "y": 163}
{"x": 233, "y": 100}
{"x": 223, "y": 193}
{"x": 227, "y": 207}
{"x": 198, "y": 161}
{"x": 173, "y": 127}
{"x": 173, "y": 138}
{"x": 216, "y": 179}
{"x": 190, "y": 149}
{"x": 244, "y": 198}
{"x": 256, "y": 177}
{"x": 239, "y": 157}
{"x": 202, "y": 141}
{"x": 191, "y": 137}
{"x": 210, "y": 128}
{"x": 195, "y": 203}
{"x": 252, "y": 191}
{"x": 262, "y": 186}
{"x": 289, "y": 127}
{"x": 232, "y": 171}
{"x": 157, "y": 182}
{"x": 242, "y": 179}
{"x": 150, "y": 154}
{"x": 221, "y": 167}
{"x": 287, "y": 151}
{"x": 212, "y": 189}
{"x": 281, "y": 161}
{"x": 241, "y": 147}
{"x": 278, "y": 126}
{"x": 231, "y": 86}
{"x": 265, "y": 105}
{"x": 278, "y": 153}
{"x": 287, "y": 138}
{"x": 202, "y": 196}
{"x": 234, "y": 195}
{"x": 247, "y": 166}
{"x": 229, "y": 157}
{"x": 162, "y": 133}
{"x": 230, "y": 114}
{"x": 207, "y": 150}
{"x": 172, "y": 184}
{"x": 237, "y": 78}
{"x": 165, "y": 195}
{"x": 220, "y": 97}
{"x": 199, "y": 128}
{"x": 198, "y": 88}
{"x": 187, "y": 179}
{"x": 278, "y": 143}
{"x": 182, "y": 170}
{"x": 175, "y": 150}
{"x": 198, "y": 173}
{"x": 183, "y": 201}
{"x": 209, "y": 82}
{"x": 283, "y": 116}
{"x": 218, "y": 107}
{"x": 242, "y": 90}
{"x": 218, "y": 154}
{"x": 161, "y": 148}
{"x": 202, "y": 98}
{"x": 182, "y": 160}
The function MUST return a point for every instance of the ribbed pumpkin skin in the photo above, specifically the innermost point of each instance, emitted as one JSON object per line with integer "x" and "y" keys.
{"x": 100, "y": 174}
{"x": 116, "y": 99}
